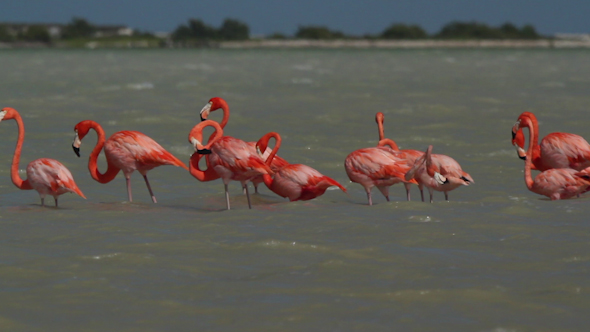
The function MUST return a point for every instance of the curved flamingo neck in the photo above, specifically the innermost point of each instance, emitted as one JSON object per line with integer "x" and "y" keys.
{"x": 225, "y": 118}
{"x": 528, "y": 179}
{"x": 112, "y": 171}
{"x": 14, "y": 175}
{"x": 195, "y": 170}
{"x": 534, "y": 133}
{"x": 275, "y": 149}
{"x": 390, "y": 142}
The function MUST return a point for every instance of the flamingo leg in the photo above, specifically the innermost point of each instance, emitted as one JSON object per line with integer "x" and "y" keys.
{"x": 421, "y": 193}
{"x": 150, "y": 188}
{"x": 256, "y": 189}
{"x": 244, "y": 189}
{"x": 407, "y": 185}
{"x": 42, "y": 200}
{"x": 369, "y": 197}
{"x": 431, "y": 194}
{"x": 446, "y": 196}
{"x": 128, "y": 180}
{"x": 55, "y": 198}
{"x": 226, "y": 196}
{"x": 248, "y": 195}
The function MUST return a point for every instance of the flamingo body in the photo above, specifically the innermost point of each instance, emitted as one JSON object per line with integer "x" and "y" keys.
{"x": 131, "y": 150}
{"x": 439, "y": 172}
{"x": 556, "y": 150}
{"x": 230, "y": 158}
{"x": 561, "y": 183}
{"x": 46, "y": 176}
{"x": 300, "y": 182}
{"x": 378, "y": 167}
{"x": 50, "y": 177}
{"x": 126, "y": 151}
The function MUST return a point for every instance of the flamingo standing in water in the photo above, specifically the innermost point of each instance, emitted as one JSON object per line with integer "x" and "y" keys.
{"x": 125, "y": 150}
{"x": 557, "y": 150}
{"x": 412, "y": 155}
{"x": 297, "y": 182}
{"x": 438, "y": 172}
{"x": 217, "y": 103}
{"x": 379, "y": 167}
{"x": 230, "y": 158}
{"x": 555, "y": 183}
{"x": 47, "y": 176}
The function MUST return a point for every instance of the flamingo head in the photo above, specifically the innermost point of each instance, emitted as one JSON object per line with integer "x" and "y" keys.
{"x": 7, "y": 113}
{"x": 379, "y": 118}
{"x": 80, "y": 130}
{"x": 214, "y": 104}
{"x": 196, "y": 136}
{"x": 518, "y": 142}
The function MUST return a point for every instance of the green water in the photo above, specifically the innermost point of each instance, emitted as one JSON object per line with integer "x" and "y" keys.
{"x": 495, "y": 258}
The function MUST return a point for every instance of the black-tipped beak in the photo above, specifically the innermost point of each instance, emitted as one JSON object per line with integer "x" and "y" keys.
{"x": 513, "y": 134}
{"x": 521, "y": 157}
{"x": 202, "y": 119}
{"x": 76, "y": 150}
{"x": 464, "y": 179}
{"x": 204, "y": 151}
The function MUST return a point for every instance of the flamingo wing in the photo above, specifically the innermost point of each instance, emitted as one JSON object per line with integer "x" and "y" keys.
{"x": 565, "y": 150}
{"x": 145, "y": 150}
{"x": 51, "y": 177}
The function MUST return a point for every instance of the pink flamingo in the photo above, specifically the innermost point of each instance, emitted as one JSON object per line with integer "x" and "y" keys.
{"x": 297, "y": 182}
{"x": 555, "y": 183}
{"x": 217, "y": 103}
{"x": 379, "y": 167}
{"x": 125, "y": 150}
{"x": 47, "y": 176}
{"x": 230, "y": 158}
{"x": 557, "y": 150}
{"x": 412, "y": 155}
{"x": 438, "y": 172}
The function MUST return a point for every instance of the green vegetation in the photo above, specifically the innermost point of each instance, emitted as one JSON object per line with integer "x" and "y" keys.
{"x": 474, "y": 30}
{"x": 78, "y": 28}
{"x": 81, "y": 33}
{"x": 403, "y": 31}
{"x": 317, "y": 32}
{"x": 198, "y": 31}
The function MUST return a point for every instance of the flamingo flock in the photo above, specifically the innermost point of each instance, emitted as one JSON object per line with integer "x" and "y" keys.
{"x": 563, "y": 160}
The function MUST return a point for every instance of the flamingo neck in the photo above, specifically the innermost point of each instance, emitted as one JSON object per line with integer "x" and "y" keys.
{"x": 528, "y": 179}
{"x": 15, "y": 176}
{"x": 112, "y": 171}
{"x": 203, "y": 176}
{"x": 390, "y": 142}
{"x": 381, "y": 132}
{"x": 268, "y": 180}
{"x": 275, "y": 149}
{"x": 225, "y": 118}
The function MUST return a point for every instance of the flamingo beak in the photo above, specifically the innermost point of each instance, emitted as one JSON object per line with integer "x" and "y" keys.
{"x": 520, "y": 152}
{"x": 205, "y": 112}
{"x": 2, "y": 115}
{"x": 76, "y": 145}
{"x": 440, "y": 179}
{"x": 199, "y": 148}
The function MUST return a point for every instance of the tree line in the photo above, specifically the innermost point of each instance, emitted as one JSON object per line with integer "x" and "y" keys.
{"x": 197, "y": 31}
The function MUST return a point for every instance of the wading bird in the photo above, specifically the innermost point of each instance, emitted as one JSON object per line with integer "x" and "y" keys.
{"x": 556, "y": 150}
{"x": 379, "y": 167}
{"x": 230, "y": 158}
{"x": 126, "y": 150}
{"x": 217, "y": 103}
{"x": 555, "y": 183}
{"x": 411, "y": 155}
{"x": 47, "y": 176}
{"x": 297, "y": 182}
{"x": 438, "y": 172}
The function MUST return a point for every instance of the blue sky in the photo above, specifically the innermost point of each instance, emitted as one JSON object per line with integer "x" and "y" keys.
{"x": 268, "y": 16}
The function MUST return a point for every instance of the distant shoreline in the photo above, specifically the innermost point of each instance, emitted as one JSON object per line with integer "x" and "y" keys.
{"x": 320, "y": 44}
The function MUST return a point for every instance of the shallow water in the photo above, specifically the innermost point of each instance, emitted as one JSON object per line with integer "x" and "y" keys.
{"x": 495, "y": 258}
